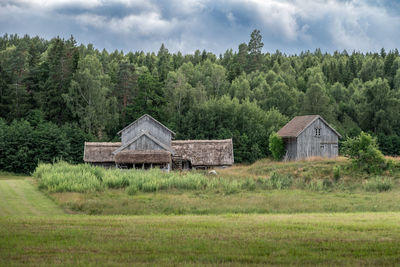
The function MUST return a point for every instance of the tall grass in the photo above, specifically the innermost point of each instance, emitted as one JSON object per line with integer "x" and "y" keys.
{"x": 64, "y": 177}
{"x": 378, "y": 184}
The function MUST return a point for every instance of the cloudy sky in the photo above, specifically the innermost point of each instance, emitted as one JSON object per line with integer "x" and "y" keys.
{"x": 291, "y": 26}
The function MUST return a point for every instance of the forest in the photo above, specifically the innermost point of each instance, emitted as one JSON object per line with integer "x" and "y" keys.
{"x": 56, "y": 94}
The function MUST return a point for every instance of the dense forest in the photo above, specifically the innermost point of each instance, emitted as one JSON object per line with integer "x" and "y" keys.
{"x": 55, "y": 94}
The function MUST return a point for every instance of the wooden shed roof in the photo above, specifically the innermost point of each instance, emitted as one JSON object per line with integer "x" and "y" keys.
{"x": 299, "y": 123}
{"x": 151, "y": 118}
{"x": 205, "y": 152}
{"x": 99, "y": 151}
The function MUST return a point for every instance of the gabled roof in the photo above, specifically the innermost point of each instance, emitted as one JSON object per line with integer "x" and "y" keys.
{"x": 205, "y": 152}
{"x": 147, "y": 134}
{"x": 299, "y": 123}
{"x": 150, "y": 117}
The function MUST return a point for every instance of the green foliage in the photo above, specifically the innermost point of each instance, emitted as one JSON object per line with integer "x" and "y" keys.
{"x": 23, "y": 146}
{"x": 244, "y": 95}
{"x": 364, "y": 152}
{"x": 276, "y": 146}
{"x": 378, "y": 184}
{"x": 336, "y": 173}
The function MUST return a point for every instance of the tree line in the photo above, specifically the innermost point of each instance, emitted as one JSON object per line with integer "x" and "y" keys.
{"x": 244, "y": 94}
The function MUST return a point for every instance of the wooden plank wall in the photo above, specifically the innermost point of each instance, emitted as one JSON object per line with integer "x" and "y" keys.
{"x": 325, "y": 145}
{"x": 147, "y": 124}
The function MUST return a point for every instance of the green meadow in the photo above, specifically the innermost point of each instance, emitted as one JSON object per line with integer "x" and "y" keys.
{"x": 262, "y": 214}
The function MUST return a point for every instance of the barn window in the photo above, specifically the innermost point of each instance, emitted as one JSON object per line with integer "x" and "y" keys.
{"x": 317, "y": 132}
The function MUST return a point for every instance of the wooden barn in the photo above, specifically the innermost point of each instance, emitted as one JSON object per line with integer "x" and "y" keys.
{"x": 147, "y": 143}
{"x": 202, "y": 154}
{"x": 309, "y": 136}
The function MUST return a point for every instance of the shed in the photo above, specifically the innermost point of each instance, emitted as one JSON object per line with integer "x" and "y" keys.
{"x": 100, "y": 153}
{"x": 203, "y": 153}
{"x": 309, "y": 136}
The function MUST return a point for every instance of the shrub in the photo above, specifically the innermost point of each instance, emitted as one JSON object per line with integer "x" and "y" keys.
{"x": 364, "y": 152}
{"x": 336, "y": 173}
{"x": 276, "y": 146}
{"x": 378, "y": 184}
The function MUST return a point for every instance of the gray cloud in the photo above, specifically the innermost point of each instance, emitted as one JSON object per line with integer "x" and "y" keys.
{"x": 288, "y": 25}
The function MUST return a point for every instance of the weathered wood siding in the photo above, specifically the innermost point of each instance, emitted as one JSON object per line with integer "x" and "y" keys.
{"x": 323, "y": 145}
{"x": 149, "y": 125}
{"x": 144, "y": 143}
{"x": 291, "y": 148}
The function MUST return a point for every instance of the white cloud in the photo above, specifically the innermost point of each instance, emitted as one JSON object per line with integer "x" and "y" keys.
{"x": 142, "y": 24}
{"x": 51, "y": 4}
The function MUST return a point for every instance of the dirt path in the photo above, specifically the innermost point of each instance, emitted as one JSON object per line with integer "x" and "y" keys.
{"x": 19, "y": 197}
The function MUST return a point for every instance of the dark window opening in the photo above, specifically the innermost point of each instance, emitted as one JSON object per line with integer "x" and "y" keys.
{"x": 317, "y": 132}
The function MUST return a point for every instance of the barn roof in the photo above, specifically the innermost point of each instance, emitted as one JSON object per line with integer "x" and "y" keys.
{"x": 205, "y": 152}
{"x": 151, "y": 118}
{"x": 143, "y": 156}
{"x": 299, "y": 123}
{"x": 99, "y": 151}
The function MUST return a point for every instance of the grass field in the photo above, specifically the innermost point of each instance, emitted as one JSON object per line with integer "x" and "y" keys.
{"x": 339, "y": 225}
{"x": 300, "y": 239}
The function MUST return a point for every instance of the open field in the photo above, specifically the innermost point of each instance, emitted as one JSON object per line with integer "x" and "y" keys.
{"x": 300, "y": 239}
{"x": 34, "y": 231}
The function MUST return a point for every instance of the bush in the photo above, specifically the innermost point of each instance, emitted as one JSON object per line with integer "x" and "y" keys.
{"x": 276, "y": 146}
{"x": 364, "y": 152}
{"x": 378, "y": 184}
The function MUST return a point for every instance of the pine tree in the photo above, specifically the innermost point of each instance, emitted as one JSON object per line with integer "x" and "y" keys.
{"x": 254, "y": 47}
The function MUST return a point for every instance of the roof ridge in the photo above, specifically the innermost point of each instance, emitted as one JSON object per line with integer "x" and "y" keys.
{"x": 146, "y": 115}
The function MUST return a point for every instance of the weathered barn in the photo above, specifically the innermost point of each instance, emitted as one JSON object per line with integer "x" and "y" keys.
{"x": 309, "y": 136}
{"x": 202, "y": 154}
{"x": 147, "y": 143}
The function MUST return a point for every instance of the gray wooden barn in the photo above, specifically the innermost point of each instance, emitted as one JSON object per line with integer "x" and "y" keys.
{"x": 309, "y": 136}
{"x": 147, "y": 143}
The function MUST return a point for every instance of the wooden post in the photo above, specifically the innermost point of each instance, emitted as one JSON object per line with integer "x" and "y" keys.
{"x": 142, "y": 166}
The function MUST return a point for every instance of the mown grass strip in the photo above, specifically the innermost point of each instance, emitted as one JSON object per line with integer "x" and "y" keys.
{"x": 20, "y": 197}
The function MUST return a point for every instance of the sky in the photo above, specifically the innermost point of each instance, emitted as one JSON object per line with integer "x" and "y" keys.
{"x": 290, "y": 26}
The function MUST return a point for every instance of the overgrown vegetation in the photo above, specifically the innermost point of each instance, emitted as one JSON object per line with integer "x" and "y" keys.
{"x": 276, "y": 146}
{"x": 65, "y": 177}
